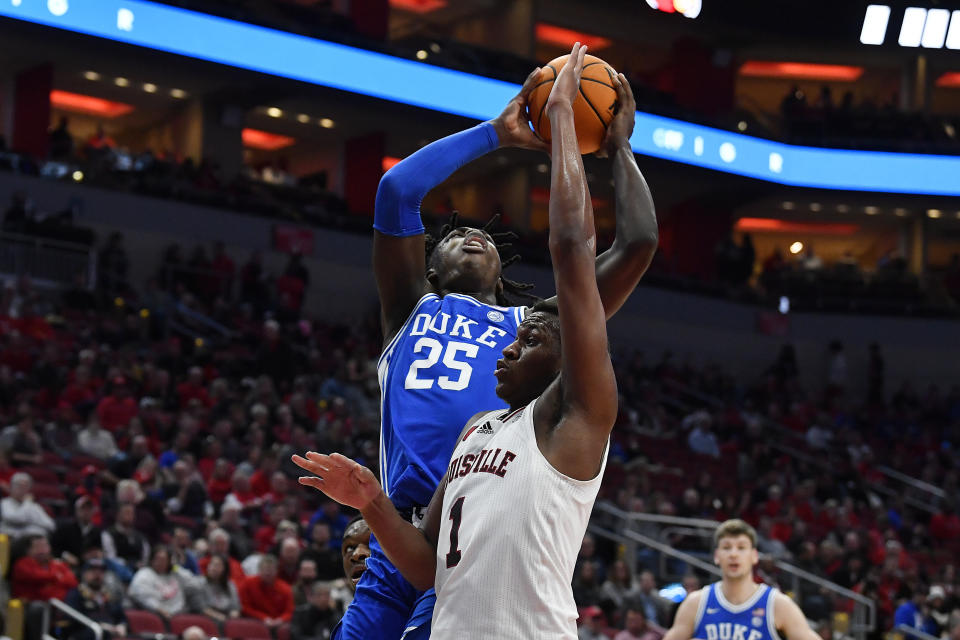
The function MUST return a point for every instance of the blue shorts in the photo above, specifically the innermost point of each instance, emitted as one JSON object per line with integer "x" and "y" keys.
{"x": 385, "y": 606}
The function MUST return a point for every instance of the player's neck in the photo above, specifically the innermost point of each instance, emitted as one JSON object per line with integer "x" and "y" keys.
{"x": 738, "y": 590}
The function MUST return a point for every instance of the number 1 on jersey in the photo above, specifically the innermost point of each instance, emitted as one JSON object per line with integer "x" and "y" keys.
{"x": 456, "y": 515}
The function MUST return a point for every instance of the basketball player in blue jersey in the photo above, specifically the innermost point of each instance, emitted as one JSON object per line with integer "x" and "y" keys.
{"x": 737, "y": 608}
{"x": 446, "y": 316}
{"x": 501, "y": 534}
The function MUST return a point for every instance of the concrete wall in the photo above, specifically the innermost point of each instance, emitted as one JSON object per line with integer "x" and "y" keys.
{"x": 703, "y": 329}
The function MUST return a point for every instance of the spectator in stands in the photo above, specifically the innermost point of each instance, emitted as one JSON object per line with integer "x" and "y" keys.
{"x": 331, "y": 514}
{"x": 316, "y": 618}
{"x": 306, "y": 577}
{"x": 194, "y": 633}
{"x": 123, "y": 544}
{"x": 654, "y": 607}
{"x": 276, "y": 358}
{"x": 19, "y": 514}
{"x": 219, "y": 598}
{"x": 586, "y": 585}
{"x": 810, "y": 261}
{"x": 27, "y": 443}
{"x": 264, "y": 597}
{"x": 61, "y": 141}
{"x": 181, "y": 553}
{"x": 702, "y": 439}
{"x": 911, "y": 614}
{"x": 92, "y": 598}
{"x": 288, "y": 558}
{"x": 218, "y": 543}
{"x": 184, "y": 491}
{"x": 637, "y": 627}
{"x": 117, "y": 409}
{"x": 328, "y": 561}
{"x": 73, "y": 535}
{"x": 99, "y": 141}
{"x": 241, "y": 544}
{"x": 95, "y": 441}
{"x": 242, "y": 496}
{"x": 40, "y": 576}
{"x": 6, "y": 473}
{"x": 158, "y": 587}
{"x": 590, "y": 624}
{"x": 620, "y": 587}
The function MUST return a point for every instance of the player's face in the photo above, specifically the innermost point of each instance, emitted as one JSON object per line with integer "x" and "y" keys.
{"x": 467, "y": 261}
{"x": 355, "y": 551}
{"x": 529, "y": 363}
{"x": 736, "y": 556}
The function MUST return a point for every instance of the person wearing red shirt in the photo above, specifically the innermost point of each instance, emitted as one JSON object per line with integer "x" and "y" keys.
{"x": 220, "y": 483}
{"x": 260, "y": 480}
{"x": 266, "y": 598}
{"x": 218, "y": 542}
{"x": 192, "y": 389}
{"x": 945, "y": 525}
{"x": 116, "y": 410}
{"x": 39, "y": 576}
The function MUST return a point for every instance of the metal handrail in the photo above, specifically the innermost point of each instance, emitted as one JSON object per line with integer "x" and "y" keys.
{"x": 916, "y": 633}
{"x": 73, "y": 613}
{"x": 859, "y": 626}
{"x": 52, "y": 242}
{"x": 913, "y": 482}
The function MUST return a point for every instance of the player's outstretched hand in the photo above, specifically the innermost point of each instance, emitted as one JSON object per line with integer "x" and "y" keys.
{"x": 621, "y": 127}
{"x": 513, "y": 125}
{"x": 339, "y": 477}
{"x": 567, "y": 85}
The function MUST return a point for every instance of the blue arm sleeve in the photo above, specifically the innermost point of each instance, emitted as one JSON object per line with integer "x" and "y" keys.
{"x": 403, "y": 187}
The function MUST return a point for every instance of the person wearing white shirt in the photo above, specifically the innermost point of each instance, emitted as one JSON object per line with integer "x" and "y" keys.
{"x": 96, "y": 441}
{"x": 19, "y": 514}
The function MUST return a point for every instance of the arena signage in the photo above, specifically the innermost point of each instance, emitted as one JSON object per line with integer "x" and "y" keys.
{"x": 241, "y": 45}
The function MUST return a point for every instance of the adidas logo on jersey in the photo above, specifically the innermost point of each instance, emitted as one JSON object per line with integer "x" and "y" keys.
{"x": 485, "y": 429}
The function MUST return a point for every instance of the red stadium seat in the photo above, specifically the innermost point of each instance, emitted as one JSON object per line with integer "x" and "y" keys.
{"x": 181, "y": 621}
{"x": 42, "y": 475}
{"x": 283, "y": 632}
{"x": 51, "y": 494}
{"x": 145, "y": 622}
{"x": 246, "y": 629}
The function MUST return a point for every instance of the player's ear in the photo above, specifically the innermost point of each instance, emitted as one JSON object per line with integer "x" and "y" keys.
{"x": 432, "y": 276}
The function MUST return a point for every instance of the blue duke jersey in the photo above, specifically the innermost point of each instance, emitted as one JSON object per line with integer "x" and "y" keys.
{"x": 434, "y": 376}
{"x": 717, "y": 619}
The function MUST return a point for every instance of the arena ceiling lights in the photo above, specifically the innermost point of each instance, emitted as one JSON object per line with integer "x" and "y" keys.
{"x": 919, "y": 27}
{"x": 245, "y": 46}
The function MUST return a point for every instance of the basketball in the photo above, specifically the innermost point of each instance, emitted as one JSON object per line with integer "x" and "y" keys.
{"x": 592, "y": 110}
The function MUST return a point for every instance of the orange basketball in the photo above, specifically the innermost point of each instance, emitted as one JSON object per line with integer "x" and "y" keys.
{"x": 592, "y": 110}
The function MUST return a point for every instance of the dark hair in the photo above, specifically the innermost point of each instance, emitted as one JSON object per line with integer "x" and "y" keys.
{"x": 157, "y": 549}
{"x": 510, "y": 287}
{"x": 224, "y": 580}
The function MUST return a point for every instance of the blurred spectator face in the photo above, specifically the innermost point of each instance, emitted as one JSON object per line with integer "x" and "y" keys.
{"x": 84, "y": 510}
{"x": 181, "y": 538}
{"x": 307, "y": 572}
{"x": 587, "y": 547}
{"x": 40, "y": 550}
{"x": 691, "y": 498}
{"x": 215, "y": 568}
{"x": 126, "y": 516}
{"x": 220, "y": 543}
{"x": 278, "y": 483}
{"x": 241, "y": 483}
{"x": 289, "y": 551}
{"x": 160, "y": 561}
{"x": 267, "y": 569}
{"x": 647, "y": 582}
{"x": 320, "y": 596}
{"x": 139, "y": 447}
{"x": 620, "y": 572}
{"x": 588, "y": 572}
{"x": 321, "y": 535}
{"x": 736, "y": 556}
{"x": 355, "y": 550}
{"x": 93, "y": 577}
{"x": 20, "y": 485}
{"x": 230, "y": 517}
{"x": 636, "y": 622}
{"x": 194, "y": 633}
{"x": 692, "y": 583}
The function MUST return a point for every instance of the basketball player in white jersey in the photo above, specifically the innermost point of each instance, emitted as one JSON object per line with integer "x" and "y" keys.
{"x": 501, "y": 535}
{"x": 737, "y": 608}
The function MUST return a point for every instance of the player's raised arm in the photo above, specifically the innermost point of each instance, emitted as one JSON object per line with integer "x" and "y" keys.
{"x": 685, "y": 620}
{"x": 399, "y": 262}
{"x": 620, "y": 267}
{"x": 413, "y": 551}
{"x": 588, "y": 406}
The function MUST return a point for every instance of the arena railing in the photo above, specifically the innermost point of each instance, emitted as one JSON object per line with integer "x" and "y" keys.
{"x": 787, "y": 441}
{"x": 48, "y": 262}
{"x": 864, "y": 616}
{"x": 70, "y": 612}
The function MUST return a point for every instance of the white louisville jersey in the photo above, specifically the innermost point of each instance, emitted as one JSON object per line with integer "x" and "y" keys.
{"x": 510, "y": 532}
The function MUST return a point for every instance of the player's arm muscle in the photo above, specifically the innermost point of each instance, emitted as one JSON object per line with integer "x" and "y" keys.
{"x": 399, "y": 266}
{"x": 683, "y": 622}
{"x": 587, "y": 384}
{"x": 410, "y": 551}
{"x": 790, "y": 619}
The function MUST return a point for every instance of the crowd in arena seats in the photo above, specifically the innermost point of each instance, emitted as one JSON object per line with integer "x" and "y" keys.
{"x": 147, "y": 466}
{"x": 824, "y": 121}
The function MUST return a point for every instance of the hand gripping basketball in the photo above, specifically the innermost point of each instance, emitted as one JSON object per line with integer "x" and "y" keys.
{"x": 566, "y": 87}
{"x": 340, "y": 478}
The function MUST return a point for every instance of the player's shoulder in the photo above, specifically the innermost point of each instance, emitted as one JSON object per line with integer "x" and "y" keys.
{"x": 692, "y": 601}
